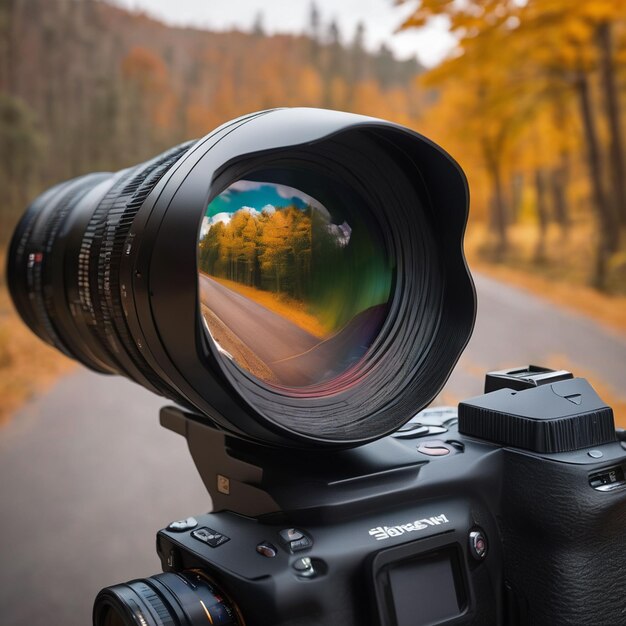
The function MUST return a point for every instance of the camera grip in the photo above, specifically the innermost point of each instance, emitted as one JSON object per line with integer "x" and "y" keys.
{"x": 564, "y": 547}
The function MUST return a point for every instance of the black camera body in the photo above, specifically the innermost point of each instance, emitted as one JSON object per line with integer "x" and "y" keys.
{"x": 512, "y": 514}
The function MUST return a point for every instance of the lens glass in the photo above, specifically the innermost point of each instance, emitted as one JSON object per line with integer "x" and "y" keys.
{"x": 110, "y": 617}
{"x": 293, "y": 288}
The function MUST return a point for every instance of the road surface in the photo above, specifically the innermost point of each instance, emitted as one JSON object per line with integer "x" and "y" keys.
{"x": 274, "y": 348}
{"x": 271, "y": 336}
{"x": 87, "y": 476}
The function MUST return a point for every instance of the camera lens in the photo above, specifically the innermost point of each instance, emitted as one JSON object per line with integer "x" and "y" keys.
{"x": 64, "y": 267}
{"x": 293, "y": 289}
{"x": 184, "y": 599}
{"x": 296, "y": 276}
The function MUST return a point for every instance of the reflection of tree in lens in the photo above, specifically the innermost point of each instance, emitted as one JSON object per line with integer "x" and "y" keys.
{"x": 270, "y": 251}
{"x": 293, "y": 261}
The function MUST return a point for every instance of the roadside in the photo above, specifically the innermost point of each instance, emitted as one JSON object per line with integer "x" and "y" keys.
{"x": 515, "y": 327}
{"x": 291, "y": 309}
{"x": 610, "y": 311}
{"x": 28, "y": 366}
{"x": 565, "y": 284}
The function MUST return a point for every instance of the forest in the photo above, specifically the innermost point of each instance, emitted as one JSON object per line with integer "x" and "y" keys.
{"x": 305, "y": 262}
{"x": 87, "y": 86}
{"x": 271, "y": 251}
{"x": 532, "y": 103}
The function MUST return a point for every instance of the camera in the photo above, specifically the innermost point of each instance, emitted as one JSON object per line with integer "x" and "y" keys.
{"x": 295, "y": 282}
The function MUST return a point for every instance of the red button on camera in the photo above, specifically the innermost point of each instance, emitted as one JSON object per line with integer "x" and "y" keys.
{"x": 478, "y": 545}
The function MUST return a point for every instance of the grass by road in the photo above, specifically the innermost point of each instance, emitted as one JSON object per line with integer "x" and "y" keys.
{"x": 292, "y": 310}
{"x": 562, "y": 277}
{"x": 27, "y": 365}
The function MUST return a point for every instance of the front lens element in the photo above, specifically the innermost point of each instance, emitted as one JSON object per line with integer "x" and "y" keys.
{"x": 293, "y": 289}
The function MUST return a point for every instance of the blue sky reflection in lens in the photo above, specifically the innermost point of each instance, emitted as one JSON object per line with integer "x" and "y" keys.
{"x": 292, "y": 294}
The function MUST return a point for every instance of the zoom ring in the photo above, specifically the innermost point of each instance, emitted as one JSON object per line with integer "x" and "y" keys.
{"x": 101, "y": 251}
{"x": 47, "y": 291}
{"x": 37, "y": 257}
{"x": 90, "y": 250}
{"x": 118, "y": 228}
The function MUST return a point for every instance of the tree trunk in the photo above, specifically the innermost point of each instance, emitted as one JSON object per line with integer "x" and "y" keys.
{"x": 8, "y": 56}
{"x": 611, "y": 104}
{"x": 608, "y": 235}
{"x": 542, "y": 215}
{"x": 498, "y": 216}
{"x": 517, "y": 195}
{"x": 559, "y": 176}
{"x": 558, "y": 187}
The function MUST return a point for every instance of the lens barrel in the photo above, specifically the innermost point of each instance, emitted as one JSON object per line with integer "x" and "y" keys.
{"x": 184, "y": 599}
{"x": 106, "y": 269}
{"x": 64, "y": 268}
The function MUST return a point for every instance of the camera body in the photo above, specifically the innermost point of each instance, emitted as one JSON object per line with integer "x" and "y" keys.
{"x": 437, "y": 523}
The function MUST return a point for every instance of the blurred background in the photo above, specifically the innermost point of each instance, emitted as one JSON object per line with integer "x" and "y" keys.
{"x": 528, "y": 95}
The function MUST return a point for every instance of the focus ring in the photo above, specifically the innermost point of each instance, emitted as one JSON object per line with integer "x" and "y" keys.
{"x": 101, "y": 250}
{"x": 63, "y": 208}
{"x": 156, "y": 603}
{"x": 38, "y": 263}
{"x": 116, "y": 242}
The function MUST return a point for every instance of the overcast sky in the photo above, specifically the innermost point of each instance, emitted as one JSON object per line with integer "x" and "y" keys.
{"x": 380, "y": 17}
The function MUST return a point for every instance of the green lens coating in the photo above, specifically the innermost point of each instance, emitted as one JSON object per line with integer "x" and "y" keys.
{"x": 292, "y": 290}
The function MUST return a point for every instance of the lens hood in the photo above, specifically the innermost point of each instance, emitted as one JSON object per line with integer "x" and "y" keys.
{"x": 146, "y": 280}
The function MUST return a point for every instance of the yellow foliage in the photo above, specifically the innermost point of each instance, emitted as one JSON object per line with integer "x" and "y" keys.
{"x": 525, "y": 97}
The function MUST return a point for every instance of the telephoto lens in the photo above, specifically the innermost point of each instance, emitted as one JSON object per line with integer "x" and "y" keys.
{"x": 296, "y": 276}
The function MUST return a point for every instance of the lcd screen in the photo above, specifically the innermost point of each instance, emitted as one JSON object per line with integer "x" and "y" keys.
{"x": 424, "y": 591}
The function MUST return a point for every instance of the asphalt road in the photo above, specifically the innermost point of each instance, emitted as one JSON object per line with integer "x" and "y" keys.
{"x": 87, "y": 476}
{"x": 271, "y": 336}
{"x": 293, "y": 356}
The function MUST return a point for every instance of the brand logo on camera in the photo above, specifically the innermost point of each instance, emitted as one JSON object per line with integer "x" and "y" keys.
{"x": 385, "y": 532}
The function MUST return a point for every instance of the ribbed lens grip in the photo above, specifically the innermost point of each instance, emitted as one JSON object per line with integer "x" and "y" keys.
{"x": 99, "y": 262}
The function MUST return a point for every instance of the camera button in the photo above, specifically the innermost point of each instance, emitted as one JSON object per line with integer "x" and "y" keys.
{"x": 209, "y": 536}
{"x": 305, "y": 568}
{"x": 437, "y": 430}
{"x": 300, "y": 544}
{"x": 478, "y": 545}
{"x": 434, "y": 448}
{"x": 295, "y": 539}
{"x": 266, "y": 549}
{"x": 183, "y": 525}
{"x": 290, "y": 534}
{"x": 415, "y": 430}
{"x": 595, "y": 454}
{"x": 302, "y": 565}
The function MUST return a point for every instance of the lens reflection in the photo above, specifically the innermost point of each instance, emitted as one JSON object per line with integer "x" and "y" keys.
{"x": 295, "y": 292}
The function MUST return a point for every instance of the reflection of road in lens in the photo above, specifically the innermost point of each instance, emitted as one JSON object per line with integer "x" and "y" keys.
{"x": 276, "y": 349}
{"x": 294, "y": 293}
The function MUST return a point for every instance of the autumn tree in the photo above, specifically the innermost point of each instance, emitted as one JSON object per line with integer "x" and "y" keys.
{"x": 149, "y": 101}
{"x": 532, "y": 53}
{"x": 20, "y": 147}
{"x": 103, "y": 88}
